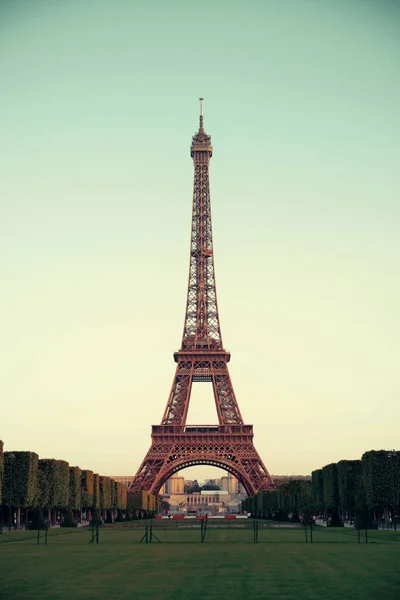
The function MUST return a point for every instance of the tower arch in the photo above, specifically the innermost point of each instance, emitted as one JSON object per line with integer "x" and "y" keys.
{"x": 184, "y": 464}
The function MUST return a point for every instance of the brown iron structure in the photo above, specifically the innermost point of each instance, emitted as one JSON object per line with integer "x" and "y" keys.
{"x": 202, "y": 358}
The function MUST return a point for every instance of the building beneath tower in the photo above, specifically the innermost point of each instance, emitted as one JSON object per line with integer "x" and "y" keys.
{"x": 185, "y": 497}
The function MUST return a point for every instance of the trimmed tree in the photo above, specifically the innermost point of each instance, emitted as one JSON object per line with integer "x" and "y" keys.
{"x": 20, "y": 480}
{"x": 122, "y": 496}
{"x": 96, "y": 493}
{"x": 317, "y": 480}
{"x": 283, "y": 501}
{"x": 87, "y": 492}
{"x": 330, "y": 488}
{"x": 349, "y": 480}
{"x": 105, "y": 497}
{"x": 75, "y": 474}
{"x": 1, "y": 469}
{"x": 300, "y": 499}
{"x": 114, "y": 494}
{"x": 381, "y": 477}
{"x": 53, "y": 485}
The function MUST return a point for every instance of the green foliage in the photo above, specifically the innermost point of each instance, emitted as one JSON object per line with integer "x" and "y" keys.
{"x": 96, "y": 491}
{"x": 119, "y": 518}
{"x": 114, "y": 493}
{"x": 317, "y": 480}
{"x": 293, "y": 499}
{"x": 349, "y": 480}
{"x": 38, "y": 521}
{"x": 42, "y": 499}
{"x": 68, "y": 519}
{"x": 53, "y": 483}
{"x": 122, "y": 495}
{"x": 1, "y": 467}
{"x": 269, "y": 504}
{"x": 105, "y": 493}
{"x": 96, "y": 518}
{"x": 330, "y": 486}
{"x": 381, "y": 477}
{"x": 259, "y": 502}
{"x": 283, "y": 500}
{"x": 300, "y": 496}
{"x": 75, "y": 475}
{"x": 87, "y": 488}
{"x": 20, "y": 475}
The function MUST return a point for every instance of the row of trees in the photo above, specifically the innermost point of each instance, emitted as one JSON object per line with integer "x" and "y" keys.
{"x": 365, "y": 490}
{"x": 52, "y": 486}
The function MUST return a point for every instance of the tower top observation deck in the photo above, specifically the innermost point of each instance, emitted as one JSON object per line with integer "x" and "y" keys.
{"x": 201, "y": 142}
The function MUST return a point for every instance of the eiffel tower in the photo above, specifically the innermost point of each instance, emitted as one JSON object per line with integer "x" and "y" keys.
{"x": 202, "y": 358}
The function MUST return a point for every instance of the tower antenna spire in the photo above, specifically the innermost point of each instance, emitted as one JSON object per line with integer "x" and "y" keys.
{"x": 201, "y": 128}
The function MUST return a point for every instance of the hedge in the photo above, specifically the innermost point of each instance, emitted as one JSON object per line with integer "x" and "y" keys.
{"x": 1, "y": 467}
{"x": 283, "y": 499}
{"x": 53, "y": 483}
{"x": 96, "y": 490}
{"x": 330, "y": 486}
{"x": 317, "y": 490}
{"x": 105, "y": 493}
{"x": 24, "y": 478}
{"x": 87, "y": 488}
{"x": 114, "y": 494}
{"x": 122, "y": 493}
{"x": 300, "y": 496}
{"x": 349, "y": 481}
{"x": 75, "y": 474}
{"x": 381, "y": 477}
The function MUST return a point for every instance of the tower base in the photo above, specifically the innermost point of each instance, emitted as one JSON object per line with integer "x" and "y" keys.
{"x": 175, "y": 447}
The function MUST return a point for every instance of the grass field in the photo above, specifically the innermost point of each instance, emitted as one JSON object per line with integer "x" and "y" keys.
{"x": 228, "y": 565}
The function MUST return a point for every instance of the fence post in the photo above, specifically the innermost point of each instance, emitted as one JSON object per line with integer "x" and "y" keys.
{"x": 255, "y": 531}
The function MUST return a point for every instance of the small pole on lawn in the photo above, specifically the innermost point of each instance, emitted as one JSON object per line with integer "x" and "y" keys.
{"x": 203, "y": 529}
{"x": 255, "y": 531}
{"x": 38, "y": 536}
{"x": 45, "y": 535}
{"x": 311, "y": 523}
{"x": 358, "y": 534}
{"x": 145, "y": 537}
{"x": 366, "y": 536}
{"x": 97, "y": 532}
{"x": 152, "y": 536}
{"x": 305, "y": 527}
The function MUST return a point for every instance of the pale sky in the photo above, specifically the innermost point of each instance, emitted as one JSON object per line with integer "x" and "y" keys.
{"x": 98, "y": 103}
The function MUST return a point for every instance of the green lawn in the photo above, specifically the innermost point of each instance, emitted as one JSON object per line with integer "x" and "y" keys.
{"x": 228, "y": 565}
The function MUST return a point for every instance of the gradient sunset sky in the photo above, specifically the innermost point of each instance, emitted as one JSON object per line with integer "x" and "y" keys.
{"x": 98, "y": 103}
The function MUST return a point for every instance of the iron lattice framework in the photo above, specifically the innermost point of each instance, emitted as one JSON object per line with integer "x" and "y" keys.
{"x": 202, "y": 358}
